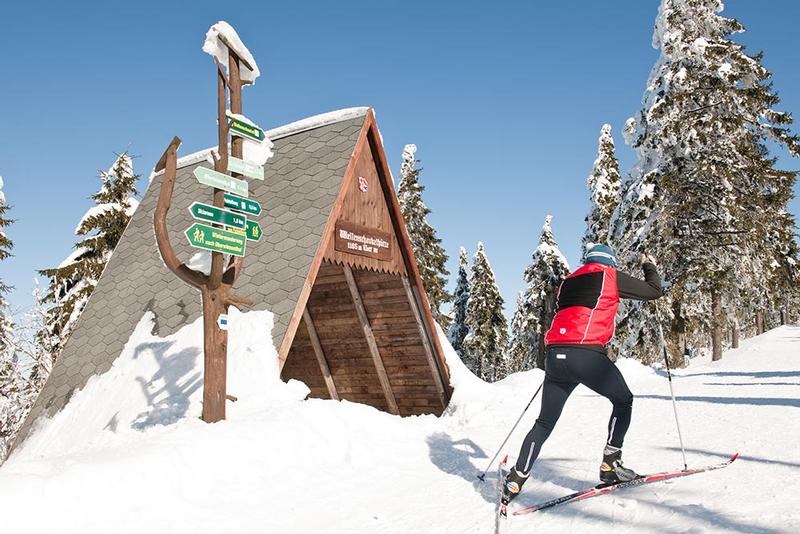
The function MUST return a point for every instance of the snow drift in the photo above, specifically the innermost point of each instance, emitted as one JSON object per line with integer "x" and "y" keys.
{"x": 129, "y": 453}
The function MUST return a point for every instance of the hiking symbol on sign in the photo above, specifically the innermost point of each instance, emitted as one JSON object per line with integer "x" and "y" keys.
{"x": 363, "y": 184}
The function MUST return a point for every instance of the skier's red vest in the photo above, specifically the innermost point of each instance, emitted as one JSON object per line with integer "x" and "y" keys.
{"x": 587, "y": 302}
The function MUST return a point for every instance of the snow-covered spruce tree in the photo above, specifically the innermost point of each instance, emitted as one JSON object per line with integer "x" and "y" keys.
{"x": 536, "y": 306}
{"x": 428, "y": 250}
{"x": 604, "y": 190}
{"x": 487, "y": 340}
{"x": 458, "y": 328}
{"x": 12, "y": 404}
{"x": 6, "y": 324}
{"x": 101, "y": 227}
{"x": 696, "y": 198}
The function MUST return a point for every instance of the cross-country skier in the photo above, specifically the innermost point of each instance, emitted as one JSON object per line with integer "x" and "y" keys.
{"x": 587, "y": 302}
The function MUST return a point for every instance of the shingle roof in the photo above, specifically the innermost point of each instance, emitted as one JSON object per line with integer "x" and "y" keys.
{"x": 300, "y": 186}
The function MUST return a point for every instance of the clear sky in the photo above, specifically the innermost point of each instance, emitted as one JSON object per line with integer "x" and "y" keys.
{"x": 505, "y": 101}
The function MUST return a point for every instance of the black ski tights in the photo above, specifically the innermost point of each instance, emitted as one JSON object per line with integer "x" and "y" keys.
{"x": 566, "y": 368}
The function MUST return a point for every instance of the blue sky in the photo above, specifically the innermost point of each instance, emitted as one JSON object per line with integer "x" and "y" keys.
{"x": 505, "y": 101}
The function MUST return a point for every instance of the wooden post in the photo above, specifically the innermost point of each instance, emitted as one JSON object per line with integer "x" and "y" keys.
{"x": 735, "y": 334}
{"x": 373, "y": 346}
{"x": 320, "y": 354}
{"x": 215, "y": 288}
{"x": 423, "y": 334}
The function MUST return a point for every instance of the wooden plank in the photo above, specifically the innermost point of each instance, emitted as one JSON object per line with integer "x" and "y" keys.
{"x": 320, "y": 354}
{"x": 373, "y": 346}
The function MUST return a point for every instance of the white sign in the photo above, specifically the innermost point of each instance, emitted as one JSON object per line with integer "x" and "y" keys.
{"x": 222, "y": 321}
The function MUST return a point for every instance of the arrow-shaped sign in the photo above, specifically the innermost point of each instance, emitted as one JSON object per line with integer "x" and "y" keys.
{"x": 248, "y": 168}
{"x": 216, "y": 179}
{"x": 245, "y": 205}
{"x": 243, "y": 127}
{"x": 216, "y": 240}
{"x": 213, "y": 214}
{"x": 252, "y": 233}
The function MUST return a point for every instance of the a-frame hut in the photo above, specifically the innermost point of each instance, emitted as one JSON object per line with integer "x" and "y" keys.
{"x": 334, "y": 265}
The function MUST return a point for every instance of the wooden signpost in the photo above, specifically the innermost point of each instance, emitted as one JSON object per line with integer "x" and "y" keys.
{"x": 216, "y": 287}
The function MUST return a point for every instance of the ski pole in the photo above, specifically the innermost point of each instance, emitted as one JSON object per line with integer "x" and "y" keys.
{"x": 671, "y": 391}
{"x": 482, "y": 476}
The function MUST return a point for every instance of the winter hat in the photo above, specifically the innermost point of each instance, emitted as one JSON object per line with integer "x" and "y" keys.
{"x": 601, "y": 254}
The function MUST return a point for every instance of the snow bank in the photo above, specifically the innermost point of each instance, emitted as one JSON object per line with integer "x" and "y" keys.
{"x": 215, "y": 47}
{"x": 158, "y": 382}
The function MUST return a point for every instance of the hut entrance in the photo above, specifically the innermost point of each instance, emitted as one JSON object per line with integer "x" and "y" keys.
{"x": 362, "y": 339}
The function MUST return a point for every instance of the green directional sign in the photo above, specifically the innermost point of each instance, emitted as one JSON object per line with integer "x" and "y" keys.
{"x": 216, "y": 179}
{"x": 252, "y": 233}
{"x": 244, "y": 128}
{"x": 245, "y": 205}
{"x": 213, "y": 214}
{"x": 216, "y": 240}
{"x": 248, "y": 168}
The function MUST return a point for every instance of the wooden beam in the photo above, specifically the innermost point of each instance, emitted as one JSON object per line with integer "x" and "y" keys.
{"x": 423, "y": 334}
{"x": 323, "y": 362}
{"x": 373, "y": 346}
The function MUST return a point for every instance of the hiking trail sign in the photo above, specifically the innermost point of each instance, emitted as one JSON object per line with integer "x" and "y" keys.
{"x": 248, "y": 168}
{"x": 242, "y": 127}
{"x": 204, "y": 212}
{"x": 252, "y": 233}
{"x": 245, "y": 205}
{"x": 215, "y": 239}
{"x": 216, "y": 179}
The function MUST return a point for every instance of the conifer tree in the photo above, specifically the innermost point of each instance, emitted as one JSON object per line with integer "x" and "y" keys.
{"x": 487, "y": 340}
{"x": 698, "y": 196}
{"x": 604, "y": 190}
{"x": 12, "y": 403}
{"x": 536, "y": 306}
{"x": 458, "y": 328}
{"x": 430, "y": 255}
{"x": 6, "y": 324}
{"x": 101, "y": 227}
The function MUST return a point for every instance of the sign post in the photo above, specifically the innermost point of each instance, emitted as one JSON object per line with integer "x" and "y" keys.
{"x": 228, "y": 192}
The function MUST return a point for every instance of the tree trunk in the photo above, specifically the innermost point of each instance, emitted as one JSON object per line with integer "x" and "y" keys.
{"x": 716, "y": 335}
{"x": 215, "y": 343}
{"x": 735, "y": 334}
{"x": 540, "y": 353}
{"x": 783, "y": 316}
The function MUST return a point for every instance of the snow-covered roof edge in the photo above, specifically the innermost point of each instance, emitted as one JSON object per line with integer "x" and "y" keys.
{"x": 317, "y": 121}
{"x": 302, "y": 125}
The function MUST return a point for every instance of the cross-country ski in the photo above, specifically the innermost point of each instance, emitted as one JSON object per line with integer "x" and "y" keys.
{"x": 602, "y": 489}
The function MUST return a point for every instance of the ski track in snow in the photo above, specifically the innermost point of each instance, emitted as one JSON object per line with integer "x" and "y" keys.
{"x": 283, "y": 465}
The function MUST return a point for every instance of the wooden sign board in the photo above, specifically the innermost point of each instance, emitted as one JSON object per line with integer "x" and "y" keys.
{"x": 361, "y": 241}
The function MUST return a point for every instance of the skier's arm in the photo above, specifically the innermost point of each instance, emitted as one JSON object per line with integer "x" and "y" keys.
{"x": 633, "y": 288}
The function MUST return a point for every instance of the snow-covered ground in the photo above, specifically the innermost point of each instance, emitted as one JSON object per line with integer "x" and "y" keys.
{"x": 129, "y": 454}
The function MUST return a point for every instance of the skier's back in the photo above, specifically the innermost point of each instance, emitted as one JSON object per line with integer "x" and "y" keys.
{"x": 586, "y": 306}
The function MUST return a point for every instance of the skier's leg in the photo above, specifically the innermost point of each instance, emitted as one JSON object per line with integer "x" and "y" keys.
{"x": 599, "y": 374}
{"x": 558, "y": 385}
{"x": 554, "y": 396}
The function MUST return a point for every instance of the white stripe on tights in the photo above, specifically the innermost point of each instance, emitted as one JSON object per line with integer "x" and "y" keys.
{"x": 528, "y": 461}
{"x": 611, "y": 431}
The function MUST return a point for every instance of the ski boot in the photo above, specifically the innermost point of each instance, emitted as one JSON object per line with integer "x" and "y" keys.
{"x": 611, "y": 470}
{"x": 512, "y": 486}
